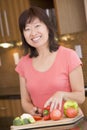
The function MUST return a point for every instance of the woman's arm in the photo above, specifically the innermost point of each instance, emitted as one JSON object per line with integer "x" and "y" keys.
{"x": 26, "y": 102}
{"x": 77, "y": 86}
{"x": 77, "y": 94}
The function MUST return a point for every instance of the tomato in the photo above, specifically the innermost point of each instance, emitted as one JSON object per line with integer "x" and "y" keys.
{"x": 55, "y": 114}
{"x": 37, "y": 117}
{"x": 71, "y": 112}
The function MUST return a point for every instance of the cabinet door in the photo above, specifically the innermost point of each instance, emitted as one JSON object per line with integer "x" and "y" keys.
{"x": 10, "y": 108}
{"x": 70, "y": 16}
{"x": 9, "y": 13}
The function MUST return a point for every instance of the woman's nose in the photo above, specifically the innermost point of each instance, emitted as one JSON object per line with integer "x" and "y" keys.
{"x": 33, "y": 31}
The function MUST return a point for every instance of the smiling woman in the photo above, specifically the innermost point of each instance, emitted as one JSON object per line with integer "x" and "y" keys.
{"x": 49, "y": 73}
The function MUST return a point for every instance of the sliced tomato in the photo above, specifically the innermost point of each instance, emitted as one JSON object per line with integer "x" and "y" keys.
{"x": 37, "y": 117}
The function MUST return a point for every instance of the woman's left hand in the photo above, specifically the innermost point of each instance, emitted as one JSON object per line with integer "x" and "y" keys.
{"x": 55, "y": 101}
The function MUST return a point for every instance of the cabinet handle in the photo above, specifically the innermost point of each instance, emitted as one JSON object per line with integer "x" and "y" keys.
{"x": 3, "y": 108}
{"x": 1, "y": 26}
{"x": 6, "y": 21}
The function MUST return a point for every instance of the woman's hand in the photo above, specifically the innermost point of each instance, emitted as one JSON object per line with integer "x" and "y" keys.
{"x": 36, "y": 111}
{"x": 55, "y": 101}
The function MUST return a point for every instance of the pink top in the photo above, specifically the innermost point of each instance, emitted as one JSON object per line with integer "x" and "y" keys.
{"x": 41, "y": 85}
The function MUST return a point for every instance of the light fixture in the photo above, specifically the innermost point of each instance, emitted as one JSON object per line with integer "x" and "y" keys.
{"x": 19, "y": 43}
{"x": 66, "y": 37}
{"x": 6, "y": 45}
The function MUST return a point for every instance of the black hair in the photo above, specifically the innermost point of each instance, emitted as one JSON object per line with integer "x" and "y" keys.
{"x": 27, "y": 16}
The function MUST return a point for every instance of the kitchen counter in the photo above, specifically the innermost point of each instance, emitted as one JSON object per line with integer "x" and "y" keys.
{"x": 17, "y": 96}
{"x": 12, "y": 90}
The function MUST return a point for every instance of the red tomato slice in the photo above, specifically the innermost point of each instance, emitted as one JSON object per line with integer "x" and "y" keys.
{"x": 37, "y": 117}
{"x": 56, "y": 114}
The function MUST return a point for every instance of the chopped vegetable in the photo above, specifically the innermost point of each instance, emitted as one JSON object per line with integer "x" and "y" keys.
{"x": 23, "y": 119}
{"x": 17, "y": 121}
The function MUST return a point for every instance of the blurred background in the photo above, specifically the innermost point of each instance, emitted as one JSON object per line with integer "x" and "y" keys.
{"x": 69, "y": 19}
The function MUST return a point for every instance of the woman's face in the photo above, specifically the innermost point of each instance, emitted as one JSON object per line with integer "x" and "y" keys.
{"x": 36, "y": 33}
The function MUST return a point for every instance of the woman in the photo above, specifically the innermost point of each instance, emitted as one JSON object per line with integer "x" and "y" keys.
{"x": 49, "y": 73}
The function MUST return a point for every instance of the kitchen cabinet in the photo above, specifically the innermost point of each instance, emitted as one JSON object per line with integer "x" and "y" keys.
{"x": 85, "y": 4}
{"x": 9, "y": 80}
{"x": 70, "y": 16}
{"x": 9, "y": 13}
{"x": 10, "y": 108}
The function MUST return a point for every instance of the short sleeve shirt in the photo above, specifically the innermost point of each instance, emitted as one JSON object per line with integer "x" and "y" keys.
{"x": 42, "y": 85}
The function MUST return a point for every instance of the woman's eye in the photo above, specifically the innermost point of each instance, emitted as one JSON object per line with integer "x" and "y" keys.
{"x": 37, "y": 26}
{"x": 27, "y": 29}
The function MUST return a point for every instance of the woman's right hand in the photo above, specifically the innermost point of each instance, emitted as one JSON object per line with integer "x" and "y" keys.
{"x": 36, "y": 111}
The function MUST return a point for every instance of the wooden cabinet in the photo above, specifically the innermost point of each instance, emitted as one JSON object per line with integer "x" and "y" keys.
{"x": 10, "y": 108}
{"x": 9, "y": 13}
{"x": 85, "y": 4}
{"x": 70, "y": 16}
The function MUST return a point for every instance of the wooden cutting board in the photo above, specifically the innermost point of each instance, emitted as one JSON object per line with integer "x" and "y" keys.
{"x": 50, "y": 123}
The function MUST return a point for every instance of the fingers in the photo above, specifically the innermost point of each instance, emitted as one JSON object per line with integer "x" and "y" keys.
{"x": 60, "y": 105}
{"x": 48, "y": 102}
{"x": 54, "y": 103}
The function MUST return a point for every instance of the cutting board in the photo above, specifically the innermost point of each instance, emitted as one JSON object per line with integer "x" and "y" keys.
{"x": 50, "y": 123}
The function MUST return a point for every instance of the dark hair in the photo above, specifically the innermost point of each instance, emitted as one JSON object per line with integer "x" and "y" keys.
{"x": 27, "y": 16}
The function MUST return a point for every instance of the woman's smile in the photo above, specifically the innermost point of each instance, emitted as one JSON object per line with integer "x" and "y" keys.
{"x": 36, "y": 39}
